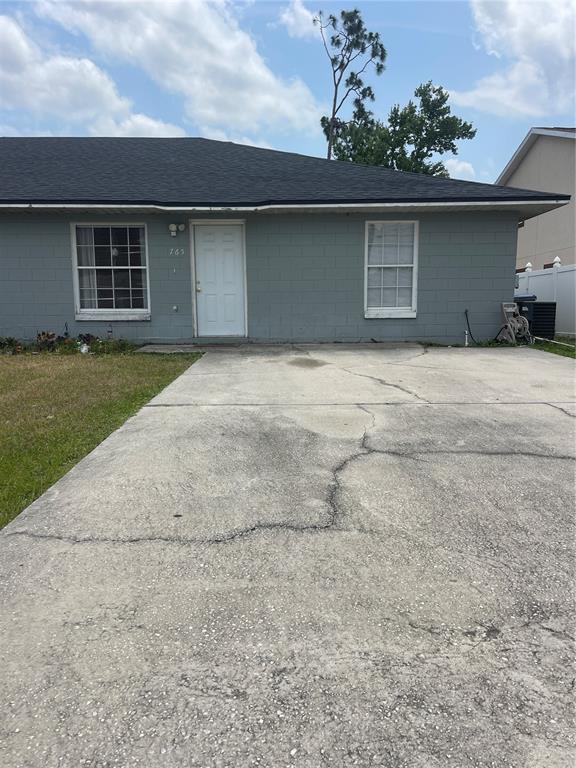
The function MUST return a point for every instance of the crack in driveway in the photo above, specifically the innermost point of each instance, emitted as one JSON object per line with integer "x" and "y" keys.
{"x": 385, "y": 383}
{"x": 563, "y": 410}
{"x": 334, "y": 512}
{"x": 377, "y": 379}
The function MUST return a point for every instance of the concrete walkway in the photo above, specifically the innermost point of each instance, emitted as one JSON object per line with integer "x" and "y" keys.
{"x": 305, "y": 556}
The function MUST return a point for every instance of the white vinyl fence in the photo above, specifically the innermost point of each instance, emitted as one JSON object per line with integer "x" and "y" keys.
{"x": 557, "y": 284}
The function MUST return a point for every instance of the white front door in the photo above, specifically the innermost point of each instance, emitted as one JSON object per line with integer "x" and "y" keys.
{"x": 219, "y": 255}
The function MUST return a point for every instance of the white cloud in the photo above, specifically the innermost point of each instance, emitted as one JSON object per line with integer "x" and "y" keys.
{"x": 12, "y": 130}
{"x": 298, "y": 20}
{"x": 220, "y": 135}
{"x": 537, "y": 38}
{"x": 460, "y": 169}
{"x": 135, "y": 125}
{"x": 194, "y": 48}
{"x": 74, "y": 90}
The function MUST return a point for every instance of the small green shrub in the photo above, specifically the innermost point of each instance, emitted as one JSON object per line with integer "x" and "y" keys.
{"x": 9, "y": 345}
{"x": 66, "y": 347}
{"x": 48, "y": 341}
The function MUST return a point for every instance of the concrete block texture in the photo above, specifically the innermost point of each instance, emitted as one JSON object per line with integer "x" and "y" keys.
{"x": 304, "y": 277}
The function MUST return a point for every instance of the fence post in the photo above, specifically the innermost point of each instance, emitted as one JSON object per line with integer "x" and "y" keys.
{"x": 528, "y": 269}
{"x": 555, "y": 264}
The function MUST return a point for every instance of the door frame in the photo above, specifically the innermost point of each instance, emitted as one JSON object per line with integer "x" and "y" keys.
{"x": 192, "y": 224}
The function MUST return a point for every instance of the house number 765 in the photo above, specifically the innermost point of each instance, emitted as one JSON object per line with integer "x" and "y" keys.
{"x": 176, "y": 251}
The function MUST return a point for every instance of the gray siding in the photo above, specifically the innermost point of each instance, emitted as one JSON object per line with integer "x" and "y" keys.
{"x": 304, "y": 278}
{"x": 36, "y": 289}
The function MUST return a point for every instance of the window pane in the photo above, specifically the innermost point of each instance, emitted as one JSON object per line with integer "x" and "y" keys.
{"x": 119, "y": 236}
{"x": 406, "y": 254}
{"x": 389, "y": 277}
{"x": 84, "y": 236}
{"x": 390, "y": 255}
{"x": 404, "y": 297}
{"x": 87, "y": 278}
{"x": 105, "y": 303}
{"x": 103, "y": 257}
{"x": 136, "y": 235}
{"x": 395, "y": 240}
{"x": 405, "y": 277}
{"x": 87, "y": 298}
{"x": 85, "y": 255}
{"x": 375, "y": 254}
{"x": 137, "y": 278}
{"x": 406, "y": 234}
{"x": 374, "y": 297}
{"x": 375, "y": 233}
{"x": 120, "y": 256}
{"x": 374, "y": 277}
{"x": 390, "y": 235}
{"x": 136, "y": 256}
{"x": 101, "y": 235}
{"x": 122, "y": 299}
{"x": 389, "y": 297}
{"x": 137, "y": 300}
{"x": 121, "y": 278}
{"x": 104, "y": 278}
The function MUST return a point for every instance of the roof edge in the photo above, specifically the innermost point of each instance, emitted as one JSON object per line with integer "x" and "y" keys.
{"x": 553, "y": 200}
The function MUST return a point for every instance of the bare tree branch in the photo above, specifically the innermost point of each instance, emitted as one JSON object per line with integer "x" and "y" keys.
{"x": 349, "y": 41}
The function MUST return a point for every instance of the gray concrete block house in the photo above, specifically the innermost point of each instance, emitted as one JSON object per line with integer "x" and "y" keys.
{"x": 173, "y": 240}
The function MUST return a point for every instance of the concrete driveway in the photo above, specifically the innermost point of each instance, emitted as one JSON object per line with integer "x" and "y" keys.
{"x": 313, "y": 556}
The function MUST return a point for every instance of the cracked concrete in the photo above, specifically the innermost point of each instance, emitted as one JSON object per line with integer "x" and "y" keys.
{"x": 305, "y": 556}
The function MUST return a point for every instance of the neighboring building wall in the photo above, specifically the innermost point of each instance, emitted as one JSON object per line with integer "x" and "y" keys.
{"x": 549, "y": 166}
{"x": 305, "y": 278}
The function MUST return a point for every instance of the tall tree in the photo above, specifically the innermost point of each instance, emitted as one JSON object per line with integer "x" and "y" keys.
{"x": 351, "y": 49}
{"x": 410, "y": 138}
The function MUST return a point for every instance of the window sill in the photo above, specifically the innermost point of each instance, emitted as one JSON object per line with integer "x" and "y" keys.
{"x": 371, "y": 314}
{"x": 106, "y": 316}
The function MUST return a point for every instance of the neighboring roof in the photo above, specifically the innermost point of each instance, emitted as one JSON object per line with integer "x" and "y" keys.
{"x": 555, "y": 128}
{"x": 200, "y": 173}
{"x": 529, "y": 140}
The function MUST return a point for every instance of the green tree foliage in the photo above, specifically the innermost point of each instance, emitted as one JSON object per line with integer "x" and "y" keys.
{"x": 410, "y": 138}
{"x": 351, "y": 50}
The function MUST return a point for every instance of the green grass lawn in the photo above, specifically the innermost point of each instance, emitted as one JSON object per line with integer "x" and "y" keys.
{"x": 54, "y": 409}
{"x": 557, "y": 349}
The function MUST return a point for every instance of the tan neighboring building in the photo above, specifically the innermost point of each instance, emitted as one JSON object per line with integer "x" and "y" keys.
{"x": 545, "y": 161}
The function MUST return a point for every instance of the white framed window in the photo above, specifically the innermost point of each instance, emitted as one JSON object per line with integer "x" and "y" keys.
{"x": 390, "y": 269}
{"x": 111, "y": 279}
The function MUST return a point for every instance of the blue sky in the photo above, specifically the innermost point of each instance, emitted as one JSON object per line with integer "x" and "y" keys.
{"x": 256, "y": 72}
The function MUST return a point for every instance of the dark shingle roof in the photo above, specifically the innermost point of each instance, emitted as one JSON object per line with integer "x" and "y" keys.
{"x": 201, "y": 172}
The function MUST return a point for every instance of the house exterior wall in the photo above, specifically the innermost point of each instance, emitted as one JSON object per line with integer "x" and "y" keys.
{"x": 305, "y": 278}
{"x": 36, "y": 279}
{"x": 548, "y": 166}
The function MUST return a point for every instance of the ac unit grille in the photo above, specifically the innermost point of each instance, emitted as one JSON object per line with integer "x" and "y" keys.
{"x": 541, "y": 316}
